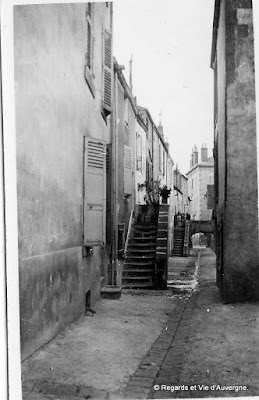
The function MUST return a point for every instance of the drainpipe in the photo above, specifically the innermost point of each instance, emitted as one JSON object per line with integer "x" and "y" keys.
{"x": 114, "y": 184}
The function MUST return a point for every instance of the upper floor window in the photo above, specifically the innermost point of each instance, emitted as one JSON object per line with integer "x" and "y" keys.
{"x": 139, "y": 152}
{"x": 163, "y": 171}
{"x": 159, "y": 158}
{"x": 126, "y": 111}
{"x": 107, "y": 72}
{"x": 90, "y": 38}
{"x": 89, "y": 74}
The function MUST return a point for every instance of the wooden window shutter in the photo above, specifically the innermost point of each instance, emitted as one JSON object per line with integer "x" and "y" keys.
{"x": 94, "y": 192}
{"x": 139, "y": 152}
{"x": 89, "y": 9}
{"x": 89, "y": 46}
{"x": 107, "y": 73}
{"x": 128, "y": 181}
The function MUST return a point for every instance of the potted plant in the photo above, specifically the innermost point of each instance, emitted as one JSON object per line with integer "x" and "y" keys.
{"x": 153, "y": 189}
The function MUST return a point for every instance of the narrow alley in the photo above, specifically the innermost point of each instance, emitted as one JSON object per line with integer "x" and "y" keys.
{"x": 178, "y": 343}
{"x": 130, "y": 199}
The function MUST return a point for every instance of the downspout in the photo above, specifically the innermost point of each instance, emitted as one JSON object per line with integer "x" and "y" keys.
{"x": 114, "y": 185}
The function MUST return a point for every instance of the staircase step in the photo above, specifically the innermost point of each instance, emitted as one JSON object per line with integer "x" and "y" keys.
{"x": 139, "y": 278}
{"x": 141, "y": 233}
{"x": 139, "y": 259}
{"x": 140, "y": 264}
{"x": 146, "y": 285}
{"x": 144, "y": 224}
{"x": 140, "y": 238}
{"x": 131, "y": 250}
{"x": 127, "y": 272}
{"x": 141, "y": 244}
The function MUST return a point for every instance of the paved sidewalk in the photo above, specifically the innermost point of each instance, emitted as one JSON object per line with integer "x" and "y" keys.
{"x": 207, "y": 349}
{"x": 95, "y": 357}
{"x": 179, "y": 343}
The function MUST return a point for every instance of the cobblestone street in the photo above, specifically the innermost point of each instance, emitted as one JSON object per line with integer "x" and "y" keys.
{"x": 199, "y": 348}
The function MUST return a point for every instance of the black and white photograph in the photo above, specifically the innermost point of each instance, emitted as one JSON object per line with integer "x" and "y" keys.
{"x": 129, "y": 199}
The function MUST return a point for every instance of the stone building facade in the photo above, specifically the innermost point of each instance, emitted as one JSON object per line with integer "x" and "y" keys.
{"x": 63, "y": 80}
{"x": 82, "y": 146}
{"x": 235, "y": 150}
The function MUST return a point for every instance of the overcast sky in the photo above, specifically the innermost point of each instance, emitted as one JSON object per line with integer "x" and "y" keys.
{"x": 170, "y": 41}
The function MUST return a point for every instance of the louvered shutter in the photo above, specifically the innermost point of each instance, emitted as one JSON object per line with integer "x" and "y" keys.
{"x": 107, "y": 73}
{"x": 89, "y": 46}
{"x": 94, "y": 192}
{"x": 128, "y": 181}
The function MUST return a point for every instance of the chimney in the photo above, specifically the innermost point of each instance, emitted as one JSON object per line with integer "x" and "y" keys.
{"x": 195, "y": 155}
{"x": 204, "y": 153}
{"x": 160, "y": 129}
{"x": 192, "y": 160}
{"x": 130, "y": 74}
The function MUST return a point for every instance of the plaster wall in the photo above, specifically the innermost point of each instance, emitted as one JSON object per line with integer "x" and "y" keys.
{"x": 54, "y": 111}
{"x": 241, "y": 230}
{"x": 220, "y": 112}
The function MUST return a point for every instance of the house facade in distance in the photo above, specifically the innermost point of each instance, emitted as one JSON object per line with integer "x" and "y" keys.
{"x": 200, "y": 174}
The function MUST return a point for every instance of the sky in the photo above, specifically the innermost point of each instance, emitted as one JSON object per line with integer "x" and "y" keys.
{"x": 170, "y": 43}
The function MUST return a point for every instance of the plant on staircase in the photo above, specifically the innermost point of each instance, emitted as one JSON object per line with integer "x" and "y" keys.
{"x": 154, "y": 191}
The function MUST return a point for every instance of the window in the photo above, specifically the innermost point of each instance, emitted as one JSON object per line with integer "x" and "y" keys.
{"x": 139, "y": 152}
{"x": 159, "y": 157}
{"x": 126, "y": 111}
{"x": 89, "y": 9}
{"x": 107, "y": 73}
{"x": 89, "y": 46}
{"x": 89, "y": 75}
{"x": 128, "y": 181}
{"x": 89, "y": 58}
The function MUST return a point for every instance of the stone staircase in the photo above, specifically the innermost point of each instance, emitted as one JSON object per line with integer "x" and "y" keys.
{"x": 178, "y": 245}
{"x": 140, "y": 259}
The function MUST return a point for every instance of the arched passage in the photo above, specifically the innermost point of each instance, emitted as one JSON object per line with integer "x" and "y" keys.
{"x": 207, "y": 228}
{"x": 202, "y": 227}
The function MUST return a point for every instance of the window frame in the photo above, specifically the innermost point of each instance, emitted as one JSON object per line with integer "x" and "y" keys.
{"x": 89, "y": 55}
